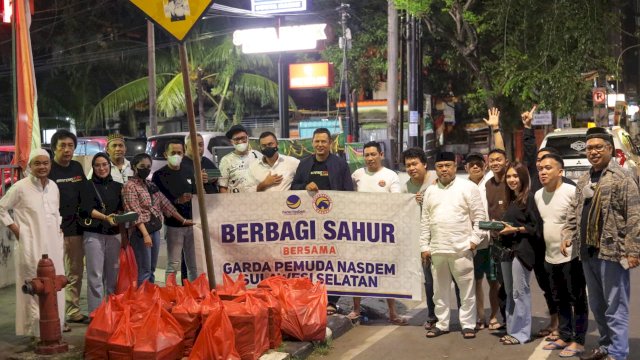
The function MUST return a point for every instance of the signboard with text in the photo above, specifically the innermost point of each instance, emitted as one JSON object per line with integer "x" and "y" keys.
{"x": 277, "y": 6}
{"x": 542, "y": 118}
{"x": 177, "y": 17}
{"x": 357, "y": 244}
{"x": 311, "y": 75}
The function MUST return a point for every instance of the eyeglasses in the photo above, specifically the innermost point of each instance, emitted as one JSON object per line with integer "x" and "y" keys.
{"x": 240, "y": 139}
{"x": 479, "y": 164}
{"x": 597, "y": 148}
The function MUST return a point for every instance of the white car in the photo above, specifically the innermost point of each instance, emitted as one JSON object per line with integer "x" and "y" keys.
{"x": 571, "y": 144}
{"x": 156, "y": 145}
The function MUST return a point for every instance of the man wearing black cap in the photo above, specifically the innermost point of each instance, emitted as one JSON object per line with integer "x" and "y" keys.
{"x": 603, "y": 222}
{"x": 449, "y": 236}
{"x": 234, "y": 167}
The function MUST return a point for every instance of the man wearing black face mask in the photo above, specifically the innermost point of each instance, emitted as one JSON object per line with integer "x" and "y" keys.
{"x": 275, "y": 171}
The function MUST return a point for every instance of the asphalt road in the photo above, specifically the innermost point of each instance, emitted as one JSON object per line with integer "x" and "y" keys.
{"x": 378, "y": 340}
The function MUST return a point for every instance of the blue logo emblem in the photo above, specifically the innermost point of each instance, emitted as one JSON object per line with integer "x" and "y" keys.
{"x": 293, "y": 202}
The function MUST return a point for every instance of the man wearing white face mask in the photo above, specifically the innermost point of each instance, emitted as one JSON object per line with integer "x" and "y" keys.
{"x": 177, "y": 185}
{"x": 234, "y": 167}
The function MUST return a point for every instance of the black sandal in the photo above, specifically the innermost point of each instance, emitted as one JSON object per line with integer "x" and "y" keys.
{"x": 468, "y": 333}
{"x": 435, "y": 332}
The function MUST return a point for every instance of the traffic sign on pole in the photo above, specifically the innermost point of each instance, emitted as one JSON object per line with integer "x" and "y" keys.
{"x": 599, "y": 96}
{"x": 177, "y": 17}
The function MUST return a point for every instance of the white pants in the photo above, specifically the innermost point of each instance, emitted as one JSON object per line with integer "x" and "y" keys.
{"x": 460, "y": 267}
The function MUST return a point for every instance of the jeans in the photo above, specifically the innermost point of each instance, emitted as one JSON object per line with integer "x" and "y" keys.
{"x": 179, "y": 239}
{"x": 146, "y": 257}
{"x": 570, "y": 294}
{"x": 609, "y": 293}
{"x": 102, "y": 253}
{"x": 517, "y": 280}
{"x": 74, "y": 269}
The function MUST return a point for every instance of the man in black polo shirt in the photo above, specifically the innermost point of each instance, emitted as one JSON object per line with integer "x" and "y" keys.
{"x": 178, "y": 186}
{"x": 323, "y": 171}
{"x": 71, "y": 181}
{"x": 210, "y": 184}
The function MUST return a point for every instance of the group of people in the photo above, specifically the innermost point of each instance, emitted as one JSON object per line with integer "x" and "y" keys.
{"x": 578, "y": 239}
{"x": 573, "y": 237}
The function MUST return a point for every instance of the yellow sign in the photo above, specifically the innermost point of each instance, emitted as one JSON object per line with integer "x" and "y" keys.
{"x": 177, "y": 17}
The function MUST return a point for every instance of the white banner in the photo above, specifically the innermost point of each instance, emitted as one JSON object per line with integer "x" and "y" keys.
{"x": 358, "y": 244}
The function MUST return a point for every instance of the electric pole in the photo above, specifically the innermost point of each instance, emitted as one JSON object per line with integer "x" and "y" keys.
{"x": 345, "y": 44}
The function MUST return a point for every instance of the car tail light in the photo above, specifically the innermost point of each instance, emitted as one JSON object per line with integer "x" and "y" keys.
{"x": 621, "y": 157}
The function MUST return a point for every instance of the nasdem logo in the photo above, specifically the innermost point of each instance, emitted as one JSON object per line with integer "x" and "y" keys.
{"x": 322, "y": 203}
{"x": 293, "y": 202}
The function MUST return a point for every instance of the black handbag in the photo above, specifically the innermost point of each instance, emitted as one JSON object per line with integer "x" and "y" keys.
{"x": 91, "y": 223}
{"x": 154, "y": 224}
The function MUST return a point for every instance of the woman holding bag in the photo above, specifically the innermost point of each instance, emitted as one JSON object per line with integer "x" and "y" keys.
{"x": 100, "y": 202}
{"x": 144, "y": 197}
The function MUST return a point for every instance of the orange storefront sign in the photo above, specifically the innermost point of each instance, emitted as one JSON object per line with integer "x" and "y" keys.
{"x": 311, "y": 75}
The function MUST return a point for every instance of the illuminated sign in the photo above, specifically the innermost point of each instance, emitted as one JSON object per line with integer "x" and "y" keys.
{"x": 287, "y": 38}
{"x": 6, "y": 11}
{"x": 310, "y": 75}
{"x": 277, "y": 6}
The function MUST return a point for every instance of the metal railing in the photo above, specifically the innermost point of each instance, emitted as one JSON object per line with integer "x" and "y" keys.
{"x": 9, "y": 175}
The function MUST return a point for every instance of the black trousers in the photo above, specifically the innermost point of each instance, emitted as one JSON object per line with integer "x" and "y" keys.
{"x": 569, "y": 291}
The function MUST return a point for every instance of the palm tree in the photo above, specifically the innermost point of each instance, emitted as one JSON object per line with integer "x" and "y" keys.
{"x": 239, "y": 84}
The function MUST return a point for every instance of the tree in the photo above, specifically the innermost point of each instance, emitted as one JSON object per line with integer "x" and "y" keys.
{"x": 236, "y": 80}
{"x": 520, "y": 52}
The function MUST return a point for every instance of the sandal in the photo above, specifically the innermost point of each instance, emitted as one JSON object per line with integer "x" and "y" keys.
{"x": 399, "y": 321}
{"x": 510, "y": 340}
{"x": 429, "y": 325}
{"x": 567, "y": 353}
{"x": 555, "y": 336}
{"x": 468, "y": 334}
{"x": 353, "y": 316}
{"x": 435, "y": 332}
{"x": 495, "y": 325}
{"x": 480, "y": 325}
{"x": 544, "y": 333}
{"x": 331, "y": 309}
{"x": 66, "y": 328}
{"x": 554, "y": 346}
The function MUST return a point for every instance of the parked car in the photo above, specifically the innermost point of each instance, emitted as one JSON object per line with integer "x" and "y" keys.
{"x": 89, "y": 146}
{"x": 571, "y": 144}
{"x": 134, "y": 146}
{"x": 156, "y": 146}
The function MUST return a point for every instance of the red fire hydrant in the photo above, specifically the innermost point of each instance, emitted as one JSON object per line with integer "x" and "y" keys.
{"x": 46, "y": 286}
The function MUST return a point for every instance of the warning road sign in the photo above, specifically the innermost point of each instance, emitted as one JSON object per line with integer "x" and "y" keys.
{"x": 177, "y": 17}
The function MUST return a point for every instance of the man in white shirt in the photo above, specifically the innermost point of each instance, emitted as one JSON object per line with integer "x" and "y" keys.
{"x": 449, "y": 236}
{"x": 120, "y": 167}
{"x": 275, "y": 171}
{"x": 377, "y": 179}
{"x": 234, "y": 167}
{"x": 568, "y": 284}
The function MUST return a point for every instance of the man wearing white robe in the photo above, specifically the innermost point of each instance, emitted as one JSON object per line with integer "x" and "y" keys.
{"x": 36, "y": 226}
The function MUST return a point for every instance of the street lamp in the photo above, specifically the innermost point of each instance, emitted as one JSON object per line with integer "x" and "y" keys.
{"x": 618, "y": 63}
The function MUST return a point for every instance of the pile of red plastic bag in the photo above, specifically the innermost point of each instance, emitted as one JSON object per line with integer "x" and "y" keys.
{"x": 193, "y": 321}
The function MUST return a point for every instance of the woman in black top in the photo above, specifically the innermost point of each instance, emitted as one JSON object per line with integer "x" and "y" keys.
{"x": 102, "y": 200}
{"x": 518, "y": 240}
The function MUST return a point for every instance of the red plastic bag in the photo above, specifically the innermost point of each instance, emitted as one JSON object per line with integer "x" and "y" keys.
{"x": 274, "y": 309}
{"x": 250, "y": 325}
{"x": 210, "y": 303}
{"x": 187, "y": 313}
{"x": 304, "y": 314}
{"x": 274, "y": 283}
{"x": 216, "y": 339}
{"x": 120, "y": 344}
{"x": 105, "y": 320}
{"x": 231, "y": 289}
{"x": 159, "y": 336}
{"x": 199, "y": 288}
{"x": 128, "y": 273}
{"x": 171, "y": 293}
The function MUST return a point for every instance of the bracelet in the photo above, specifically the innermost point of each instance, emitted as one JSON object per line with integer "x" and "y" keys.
{"x": 496, "y": 130}
{"x": 184, "y": 221}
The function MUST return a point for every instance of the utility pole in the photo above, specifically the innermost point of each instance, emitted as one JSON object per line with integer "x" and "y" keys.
{"x": 151, "y": 59}
{"x": 392, "y": 76}
{"x": 413, "y": 76}
{"x": 345, "y": 44}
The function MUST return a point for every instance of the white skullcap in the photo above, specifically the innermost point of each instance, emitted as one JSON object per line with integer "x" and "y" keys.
{"x": 38, "y": 152}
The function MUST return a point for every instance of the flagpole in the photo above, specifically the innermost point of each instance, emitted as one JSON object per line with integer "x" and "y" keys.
{"x": 14, "y": 70}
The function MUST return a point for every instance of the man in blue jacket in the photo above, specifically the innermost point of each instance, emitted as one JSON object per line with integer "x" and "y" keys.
{"x": 323, "y": 171}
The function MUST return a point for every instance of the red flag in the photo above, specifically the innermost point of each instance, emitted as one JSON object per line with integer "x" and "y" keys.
{"x": 27, "y": 122}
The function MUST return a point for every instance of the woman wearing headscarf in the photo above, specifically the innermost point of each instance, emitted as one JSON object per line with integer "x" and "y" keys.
{"x": 100, "y": 202}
